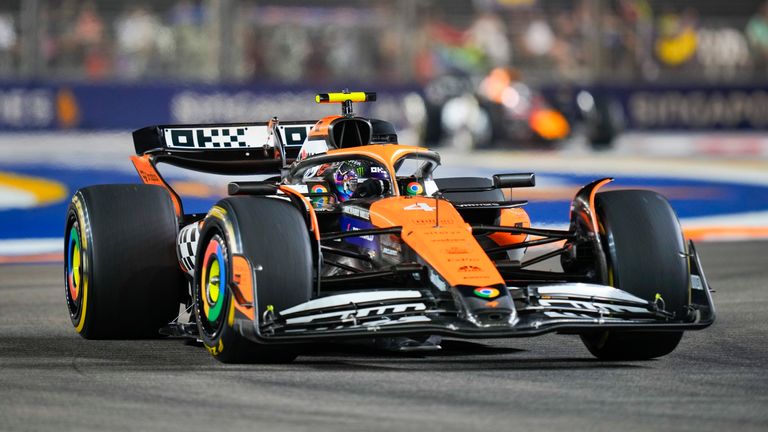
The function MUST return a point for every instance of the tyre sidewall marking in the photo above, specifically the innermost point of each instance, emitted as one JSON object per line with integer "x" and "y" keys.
{"x": 216, "y": 224}
{"x": 74, "y": 260}
{"x": 215, "y": 254}
{"x": 82, "y": 222}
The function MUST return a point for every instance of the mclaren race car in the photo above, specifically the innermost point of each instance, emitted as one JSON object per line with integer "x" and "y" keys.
{"x": 350, "y": 237}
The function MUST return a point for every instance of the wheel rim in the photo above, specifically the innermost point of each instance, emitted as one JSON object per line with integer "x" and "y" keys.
{"x": 74, "y": 269}
{"x": 213, "y": 282}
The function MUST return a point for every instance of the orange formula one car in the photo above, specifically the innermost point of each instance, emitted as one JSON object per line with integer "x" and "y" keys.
{"x": 353, "y": 238}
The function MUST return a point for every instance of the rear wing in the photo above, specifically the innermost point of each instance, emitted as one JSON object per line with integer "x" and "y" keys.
{"x": 232, "y": 148}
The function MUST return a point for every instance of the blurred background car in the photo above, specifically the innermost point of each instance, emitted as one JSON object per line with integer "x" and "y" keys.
{"x": 467, "y": 73}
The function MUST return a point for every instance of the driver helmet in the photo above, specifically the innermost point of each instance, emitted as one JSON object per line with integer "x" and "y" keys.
{"x": 350, "y": 173}
{"x": 345, "y": 181}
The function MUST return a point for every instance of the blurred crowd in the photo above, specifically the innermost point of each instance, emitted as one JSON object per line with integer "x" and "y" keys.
{"x": 402, "y": 41}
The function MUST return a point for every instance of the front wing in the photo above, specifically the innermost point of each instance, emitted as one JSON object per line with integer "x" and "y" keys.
{"x": 540, "y": 308}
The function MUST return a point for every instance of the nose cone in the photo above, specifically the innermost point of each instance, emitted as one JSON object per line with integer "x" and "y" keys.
{"x": 449, "y": 247}
{"x": 486, "y": 306}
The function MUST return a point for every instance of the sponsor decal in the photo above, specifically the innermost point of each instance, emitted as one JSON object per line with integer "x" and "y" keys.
{"x": 387, "y": 251}
{"x": 318, "y": 188}
{"x": 294, "y": 136}
{"x": 357, "y": 212}
{"x": 352, "y": 224}
{"x": 391, "y": 246}
{"x": 593, "y": 307}
{"x": 463, "y": 260}
{"x": 216, "y": 137}
{"x": 148, "y": 177}
{"x": 414, "y": 188}
{"x": 436, "y": 232}
{"x": 319, "y": 202}
{"x": 437, "y": 281}
{"x": 698, "y": 108}
{"x": 486, "y": 292}
{"x": 351, "y": 317}
{"x": 354, "y": 228}
{"x": 477, "y": 204}
{"x": 420, "y": 206}
{"x": 455, "y": 250}
{"x": 300, "y": 188}
{"x": 449, "y": 240}
{"x": 469, "y": 268}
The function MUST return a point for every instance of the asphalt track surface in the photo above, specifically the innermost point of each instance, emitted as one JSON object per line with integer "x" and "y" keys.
{"x": 51, "y": 379}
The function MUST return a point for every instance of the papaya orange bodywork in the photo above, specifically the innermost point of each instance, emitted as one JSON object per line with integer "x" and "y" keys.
{"x": 310, "y": 209}
{"x": 149, "y": 175}
{"x": 320, "y": 129}
{"x": 593, "y": 211}
{"x": 242, "y": 276}
{"x": 513, "y": 217}
{"x": 449, "y": 247}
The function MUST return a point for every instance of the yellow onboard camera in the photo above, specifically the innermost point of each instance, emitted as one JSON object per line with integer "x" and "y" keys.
{"x": 345, "y": 98}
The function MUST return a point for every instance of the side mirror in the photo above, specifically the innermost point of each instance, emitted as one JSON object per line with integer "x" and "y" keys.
{"x": 251, "y": 188}
{"x": 515, "y": 180}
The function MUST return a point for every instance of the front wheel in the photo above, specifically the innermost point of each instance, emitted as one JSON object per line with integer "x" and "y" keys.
{"x": 647, "y": 257}
{"x": 273, "y": 236}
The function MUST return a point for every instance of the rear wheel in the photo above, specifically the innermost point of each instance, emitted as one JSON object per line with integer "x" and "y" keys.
{"x": 121, "y": 272}
{"x": 647, "y": 257}
{"x": 272, "y": 235}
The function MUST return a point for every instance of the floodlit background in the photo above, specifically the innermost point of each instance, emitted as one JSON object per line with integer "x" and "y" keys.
{"x": 384, "y": 42}
{"x": 666, "y": 95}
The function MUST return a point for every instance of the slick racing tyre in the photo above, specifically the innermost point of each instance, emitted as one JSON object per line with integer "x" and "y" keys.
{"x": 122, "y": 275}
{"x": 647, "y": 257}
{"x": 272, "y": 235}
